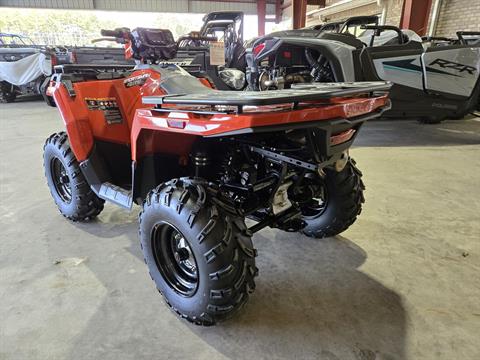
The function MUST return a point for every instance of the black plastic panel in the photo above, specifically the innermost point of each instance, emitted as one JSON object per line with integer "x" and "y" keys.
{"x": 307, "y": 92}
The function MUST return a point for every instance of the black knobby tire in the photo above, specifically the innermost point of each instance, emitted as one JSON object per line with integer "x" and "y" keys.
{"x": 343, "y": 202}
{"x": 219, "y": 246}
{"x": 69, "y": 189}
{"x": 7, "y": 96}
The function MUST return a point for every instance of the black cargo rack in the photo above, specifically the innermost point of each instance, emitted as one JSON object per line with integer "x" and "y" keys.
{"x": 294, "y": 96}
{"x": 91, "y": 68}
{"x": 69, "y": 74}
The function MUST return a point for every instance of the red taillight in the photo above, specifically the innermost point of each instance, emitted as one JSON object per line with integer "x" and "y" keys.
{"x": 176, "y": 124}
{"x": 73, "y": 57}
{"x": 54, "y": 60}
{"x": 287, "y": 54}
{"x": 258, "y": 49}
{"x": 342, "y": 137}
{"x": 50, "y": 88}
{"x": 128, "y": 50}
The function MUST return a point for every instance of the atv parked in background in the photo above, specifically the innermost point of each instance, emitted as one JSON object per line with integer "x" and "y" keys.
{"x": 200, "y": 161}
{"x": 24, "y": 67}
{"x": 430, "y": 83}
{"x": 194, "y": 50}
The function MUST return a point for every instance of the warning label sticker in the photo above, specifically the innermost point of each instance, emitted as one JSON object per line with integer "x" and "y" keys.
{"x": 217, "y": 53}
{"x": 108, "y": 106}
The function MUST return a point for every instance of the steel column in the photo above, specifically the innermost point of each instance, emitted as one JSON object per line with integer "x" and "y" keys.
{"x": 415, "y": 15}
{"x": 278, "y": 11}
{"x": 261, "y": 13}
{"x": 299, "y": 13}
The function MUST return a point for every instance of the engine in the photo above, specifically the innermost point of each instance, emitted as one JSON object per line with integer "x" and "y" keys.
{"x": 289, "y": 65}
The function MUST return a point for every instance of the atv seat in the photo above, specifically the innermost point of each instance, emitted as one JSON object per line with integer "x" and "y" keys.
{"x": 176, "y": 80}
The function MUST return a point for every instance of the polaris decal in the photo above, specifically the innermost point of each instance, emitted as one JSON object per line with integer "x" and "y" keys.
{"x": 407, "y": 65}
{"x": 183, "y": 62}
{"x": 446, "y": 64}
{"x": 444, "y": 106}
{"x": 136, "y": 80}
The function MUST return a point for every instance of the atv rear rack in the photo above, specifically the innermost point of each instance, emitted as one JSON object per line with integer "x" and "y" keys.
{"x": 294, "y": 96}
{"x": 90, "y": 68}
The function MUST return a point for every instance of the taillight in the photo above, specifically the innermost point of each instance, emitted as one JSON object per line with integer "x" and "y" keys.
{"x": 50, "y": 88}
{"x": 54, "y": 60}
{"x": 258, "y": 49}
{"x": 342, "y": 137}
{"x": 176, "y": 124}
{"x": 73, "y": 57}
{"x": 128, "y": 50}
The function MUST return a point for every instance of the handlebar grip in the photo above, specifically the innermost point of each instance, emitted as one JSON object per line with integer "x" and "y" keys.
{"x": 114, "y": 33}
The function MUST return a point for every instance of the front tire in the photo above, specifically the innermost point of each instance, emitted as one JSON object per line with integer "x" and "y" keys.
{"x": 69, "y": 189}
{"x": 200, "y": 257}
{"x": 341, "y": 203}
{"x": 7, "y": 93}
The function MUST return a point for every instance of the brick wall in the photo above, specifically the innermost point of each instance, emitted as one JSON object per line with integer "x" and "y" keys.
{"x": 371, "y": 9}
{"x": 393, "y": 14}
{"x": 458, "y": 15}
{"x": 454, "y": 15}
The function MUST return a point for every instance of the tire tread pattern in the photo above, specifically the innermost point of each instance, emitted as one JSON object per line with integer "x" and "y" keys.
{"x": 87, "y": 204}
{"x": 232, "y": 281}
{"x": 349, "y": 189}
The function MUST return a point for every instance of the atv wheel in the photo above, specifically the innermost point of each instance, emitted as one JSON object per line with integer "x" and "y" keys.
{"x": 200, "y": 258}
{"x": 7, "y": 96}
{"x": 69, "y": 189}
{"x": 337, "y": 204}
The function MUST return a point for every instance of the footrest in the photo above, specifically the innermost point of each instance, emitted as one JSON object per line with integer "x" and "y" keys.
{"x": 116, "y": 194}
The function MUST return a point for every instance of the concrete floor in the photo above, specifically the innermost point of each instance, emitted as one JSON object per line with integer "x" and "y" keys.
{"x": 402, "y": 283}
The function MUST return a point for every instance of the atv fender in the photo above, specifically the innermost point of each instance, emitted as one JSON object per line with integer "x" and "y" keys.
{"x": 77, "y": 125}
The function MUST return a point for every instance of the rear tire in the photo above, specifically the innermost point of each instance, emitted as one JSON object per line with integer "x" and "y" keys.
{"x": 69, "y": 189}
{"x": 200, "y": 257}
{"x": 6, "y": 96}
{"x": 343, "y": 199}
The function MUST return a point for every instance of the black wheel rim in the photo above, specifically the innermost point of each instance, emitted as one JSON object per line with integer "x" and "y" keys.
{"x": 174, "y": 259}
{"x": 61, "y": 180}
{"x": 316, "y": 205}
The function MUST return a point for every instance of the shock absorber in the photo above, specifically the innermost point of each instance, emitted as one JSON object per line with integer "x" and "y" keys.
{"x": 201, "y": 161}
{"x": 321, "y": 71}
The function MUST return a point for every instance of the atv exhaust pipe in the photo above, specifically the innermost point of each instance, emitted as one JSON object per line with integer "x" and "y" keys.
{"x": 342, "y": 162}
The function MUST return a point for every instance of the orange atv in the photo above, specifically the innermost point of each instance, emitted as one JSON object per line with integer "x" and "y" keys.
{"x": 199, "y": 161}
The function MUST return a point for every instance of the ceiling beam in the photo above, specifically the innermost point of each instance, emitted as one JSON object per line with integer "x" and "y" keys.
{"x": 299, "y": 13}
{"x": 261, "y": 14}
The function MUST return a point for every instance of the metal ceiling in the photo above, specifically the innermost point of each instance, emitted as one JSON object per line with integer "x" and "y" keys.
{"x": 174, "y": 6}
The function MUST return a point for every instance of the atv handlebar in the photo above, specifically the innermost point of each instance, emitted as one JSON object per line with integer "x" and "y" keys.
{"x": 104, "y": 39}
{"x": 113, "y": 33}
{"x": 118, "y": 35}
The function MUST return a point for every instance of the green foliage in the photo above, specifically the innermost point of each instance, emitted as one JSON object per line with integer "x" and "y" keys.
{"x": 179, "y": 24}
{"x": 54, "y": 27}
{"x": 79, "y": 27}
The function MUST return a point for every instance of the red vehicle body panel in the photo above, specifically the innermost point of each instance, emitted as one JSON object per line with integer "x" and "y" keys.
{"x": 149, "y": 131}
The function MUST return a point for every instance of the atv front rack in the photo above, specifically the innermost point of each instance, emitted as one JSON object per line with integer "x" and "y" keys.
{"x": 294, "y": 96}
